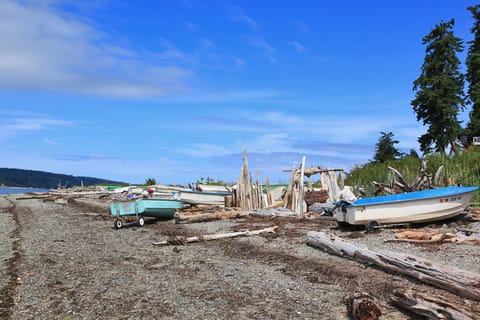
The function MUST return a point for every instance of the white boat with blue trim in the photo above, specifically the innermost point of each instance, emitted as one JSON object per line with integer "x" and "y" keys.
{"x": 411, "y": 207}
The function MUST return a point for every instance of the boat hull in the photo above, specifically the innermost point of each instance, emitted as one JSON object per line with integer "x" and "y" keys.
{"x": 412, "y": 207}
{"x": 202, "y": 197}
{"x": 160, "y": 208}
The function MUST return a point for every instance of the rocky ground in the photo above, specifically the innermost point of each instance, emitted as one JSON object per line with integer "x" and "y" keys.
{"x": 66, "y": 261}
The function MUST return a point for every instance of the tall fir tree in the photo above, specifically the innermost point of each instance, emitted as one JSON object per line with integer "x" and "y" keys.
{"x": 473, "y": 78}
{"x": 385, "y": 148}
{"x": 439, "y": 90}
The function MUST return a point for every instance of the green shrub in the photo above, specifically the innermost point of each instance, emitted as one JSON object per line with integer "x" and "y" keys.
{"x": 462, "y": 169}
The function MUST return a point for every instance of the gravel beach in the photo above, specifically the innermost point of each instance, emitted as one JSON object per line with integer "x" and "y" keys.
{"x": 66, "y": 261}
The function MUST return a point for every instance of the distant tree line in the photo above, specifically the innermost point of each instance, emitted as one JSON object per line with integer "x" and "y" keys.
{"x": 46, "y": 180}
{"x": 440, "y": 96}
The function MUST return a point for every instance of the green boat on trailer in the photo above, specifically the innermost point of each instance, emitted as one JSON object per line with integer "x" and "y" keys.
{"x": 158, "y": 208}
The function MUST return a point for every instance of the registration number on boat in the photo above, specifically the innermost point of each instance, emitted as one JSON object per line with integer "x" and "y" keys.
{"x": 450, "y": 199}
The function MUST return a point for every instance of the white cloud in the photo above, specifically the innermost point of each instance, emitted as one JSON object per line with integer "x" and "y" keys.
{"x": 267, "y": 49}
{"x": 12, "y": 127}
{"x": 48, "y": 141}
{"x": 238, "y": 14}
{"x": 297, "y": 46}
{"x": 204, "y": 150}
{"x": 47, "y": 50}
{"x": 301, "y": 26}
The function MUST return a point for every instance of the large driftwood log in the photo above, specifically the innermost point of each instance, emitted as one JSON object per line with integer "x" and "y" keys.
{"x": 208, "y": 237}
{"x": 430, "y": 307}
{"x": 280, "y": 212}
{"x": 209, "y": 216}
{"x": 461, "y": 282}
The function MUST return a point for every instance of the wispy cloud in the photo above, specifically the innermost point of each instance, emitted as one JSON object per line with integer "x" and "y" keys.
{"x": 43, "y": 49}
{"x": 83, "y": 157}
{"x": 297, "y": 46}
{"x": 14, "y": 126}
{"x": 301, "y": 26}
{"x": 48, "y": 141}
{"x": 204, "y": 150}
{"x": 267, "y": 50}
{"x": 238, "y": 14}
{"x": 191, "y": 26}
{"x": 229, "y": 96}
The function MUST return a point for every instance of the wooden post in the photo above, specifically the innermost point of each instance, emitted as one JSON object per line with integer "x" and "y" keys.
{"x": 269, "y": 195}
{"x": 287, "y": 199}
{"x": 300, "y": 191}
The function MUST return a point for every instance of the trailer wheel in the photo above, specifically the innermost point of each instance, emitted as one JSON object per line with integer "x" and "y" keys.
{"x": 371, "y": 226}
{"x": 342, "y": 224}
{"x": 141, "y": 221}
{"x": 117, "y": 223}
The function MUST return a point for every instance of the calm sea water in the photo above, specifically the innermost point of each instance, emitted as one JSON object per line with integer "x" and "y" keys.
{"x": 20, "y": 190}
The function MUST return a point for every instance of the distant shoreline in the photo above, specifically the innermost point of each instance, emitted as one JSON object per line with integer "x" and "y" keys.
{"x": 13, "y": 190}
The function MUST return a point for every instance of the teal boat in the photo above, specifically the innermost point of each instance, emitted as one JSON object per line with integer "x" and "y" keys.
{"x": 158, "y": 208}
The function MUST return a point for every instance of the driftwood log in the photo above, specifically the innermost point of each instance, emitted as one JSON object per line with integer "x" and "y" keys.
{"x": 362, "y": 306}
{"x": 461, "y": 282}
{"x": 430, "y": 307}
{"x": 430, "y": 236}
{"x": 265, "y": 213}
{"x": 182, "y": 240}
{"x": 181, "y": 217}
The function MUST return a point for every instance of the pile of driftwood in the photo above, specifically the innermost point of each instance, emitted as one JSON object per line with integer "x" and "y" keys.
{"x": 399, "y": 184}
{"x": 461, "y": 282}
{"x": 298, "y": 195}
{"x": 249, "y": 195}
{"x": 297, "y": 199}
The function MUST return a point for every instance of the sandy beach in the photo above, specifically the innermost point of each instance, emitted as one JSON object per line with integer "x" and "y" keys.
{"x": 66, "y": 261}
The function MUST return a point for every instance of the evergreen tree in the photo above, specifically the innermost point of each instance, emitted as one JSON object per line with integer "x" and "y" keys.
{"x": 150, "y": 182}
{"x": 473, "y": 77}
{"x": 439, "y": 90}
{"x": 385, "y": 148}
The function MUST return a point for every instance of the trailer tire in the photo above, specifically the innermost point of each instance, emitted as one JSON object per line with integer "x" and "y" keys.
{"x": 343, "y": 224}
{"x": 371, "y": 226}
{"x": 141, "y": 221}
{"x": 117, "y": 223}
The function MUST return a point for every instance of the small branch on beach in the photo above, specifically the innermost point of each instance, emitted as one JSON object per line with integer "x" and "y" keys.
{"x": 182, "y": 217}
{"x": 182, "y": 240}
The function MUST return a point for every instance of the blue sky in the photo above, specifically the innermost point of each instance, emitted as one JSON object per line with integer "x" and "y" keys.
{"x": 174, "y": 90}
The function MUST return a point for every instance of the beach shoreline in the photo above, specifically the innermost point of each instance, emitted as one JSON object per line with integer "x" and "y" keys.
{"x": 66, "y": 260}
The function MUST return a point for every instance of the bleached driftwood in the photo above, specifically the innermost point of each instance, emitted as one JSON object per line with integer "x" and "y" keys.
{"x": 430, "y": 307}
{"x": 461, "y": 282}
{"x": 280, "y": 212}
{"x": 182, "y": 240}
{"x": 300, "y": 194}
{"x": 429, "y": 236}
{"x": 209, "y": 216}
{"x": 399, "y": 184}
